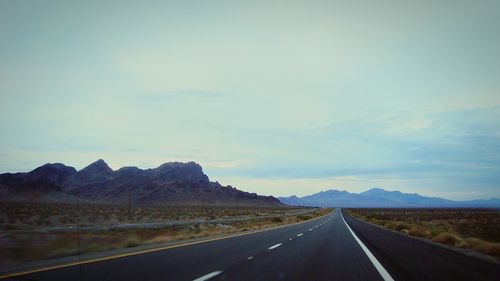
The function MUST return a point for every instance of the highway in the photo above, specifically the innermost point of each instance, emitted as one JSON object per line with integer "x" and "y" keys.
{"x": 335, "y": 247}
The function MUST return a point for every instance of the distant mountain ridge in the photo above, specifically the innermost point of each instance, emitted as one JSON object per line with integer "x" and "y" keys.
{"x": 380, "y": 198}
{"x": 172, "y": 183}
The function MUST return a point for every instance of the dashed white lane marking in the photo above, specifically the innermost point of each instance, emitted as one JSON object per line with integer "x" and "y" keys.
{"x": 275, "y": 246}
{"x": 290, "y": 239}
{"x": 310, "y": 229}
{"x": 208, "y": 276}
{"x": 249, "y": 258}
{"x": 381, "y": 270}
{"x": 300, "y": 234}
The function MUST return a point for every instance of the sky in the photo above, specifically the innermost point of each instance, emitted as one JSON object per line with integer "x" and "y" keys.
{"x": 273, "y": 97}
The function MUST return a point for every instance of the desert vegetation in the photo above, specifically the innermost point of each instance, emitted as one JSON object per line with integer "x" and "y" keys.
{"x": 32, "y": 232}
{"x": 472, "y": 229}
{"x": 15, "y": 215}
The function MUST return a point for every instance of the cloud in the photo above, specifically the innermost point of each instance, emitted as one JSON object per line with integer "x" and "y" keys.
{"x": 258, "y": 91}
{"x": 181, "y": 94}
{"x": 408, "y": 125}
{"x": 459, "y": 151}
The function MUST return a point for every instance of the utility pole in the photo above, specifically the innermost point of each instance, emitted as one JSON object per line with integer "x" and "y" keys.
{"x": 129, "y": 214}
{"x": 78, "y": 231}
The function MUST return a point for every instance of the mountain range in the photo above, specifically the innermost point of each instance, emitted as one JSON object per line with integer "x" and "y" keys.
{"x": 380, "y": 198}
{"x": 173, "y": 183}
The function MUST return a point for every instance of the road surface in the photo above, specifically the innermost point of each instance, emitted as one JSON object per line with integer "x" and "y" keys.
{"x": 335, "y": 247}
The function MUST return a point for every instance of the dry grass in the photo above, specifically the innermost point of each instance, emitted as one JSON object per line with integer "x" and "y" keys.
{"x": 24, "y": 240}
{"x": 474, "y": 229}
{"x": 15, "y": 215}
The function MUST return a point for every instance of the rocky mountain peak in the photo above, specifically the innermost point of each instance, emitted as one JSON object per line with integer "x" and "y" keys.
{"x": 52, "y": 172}
{"x": 99, "y": 166}
{"x": 190, "y": 171}
{"x": 173, "y": 183}
{"x": 54, "y": 168}
{"x": 97, "y": 171}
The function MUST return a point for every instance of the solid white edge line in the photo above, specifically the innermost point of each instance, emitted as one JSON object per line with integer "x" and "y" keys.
{"x": 275, "y": 246}
{"x": 208, "y": 276}
{"x": 381, "y": 270}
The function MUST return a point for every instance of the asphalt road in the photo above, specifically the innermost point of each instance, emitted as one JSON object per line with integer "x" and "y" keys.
{"x": 323, "y": 249}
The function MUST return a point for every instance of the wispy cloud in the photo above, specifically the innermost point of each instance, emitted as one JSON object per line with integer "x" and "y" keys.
{"x": 182, "y": 94}
{"x": 311, "y": 91}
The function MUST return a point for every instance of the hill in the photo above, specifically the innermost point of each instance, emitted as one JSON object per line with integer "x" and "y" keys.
{"x": 173, "y": 183}
{"x": 380, "y": 198}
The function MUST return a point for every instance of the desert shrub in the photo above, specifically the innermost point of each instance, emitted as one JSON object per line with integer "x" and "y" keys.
{"x": 435, "y": 231}
{"x": 475, "y": 229}
{"x": 400, "y": 226}
{"x": 390, "y": 225}
{"x": 277, "y": 220}
{"x": 446, "y": 238}
{"x": 419, "y": 231}
{"x": 476, "y": 244}
{"x": 304, "y": 217}
{"x": 493, "y": 249}
{"x": 131, "y": 243}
